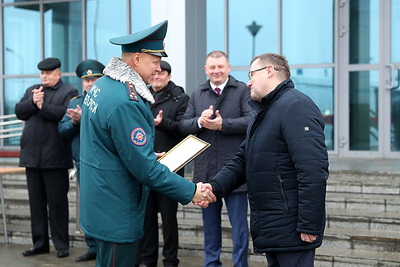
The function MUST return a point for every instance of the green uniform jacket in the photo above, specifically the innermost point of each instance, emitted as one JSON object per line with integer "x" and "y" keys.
{"x": 118, "y": 161}
{"x": 71, "y": 131}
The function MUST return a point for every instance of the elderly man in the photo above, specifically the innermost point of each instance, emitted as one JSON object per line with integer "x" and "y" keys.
{"x": 117, "y": 151}
{"x": 46, "y": 157}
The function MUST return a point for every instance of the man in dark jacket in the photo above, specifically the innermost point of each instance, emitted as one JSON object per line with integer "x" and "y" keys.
{"x": 89, "y": 71}
{"x": 47, "y": 157}
{"x": 284, "y": 162}
{"x": 218, "y": 112}
{"x": 168, "y": 108}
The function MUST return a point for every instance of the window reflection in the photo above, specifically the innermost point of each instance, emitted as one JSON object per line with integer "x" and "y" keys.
{"x": 305, "y": 40}
{"x": 318, "y": 85}
{"x": 364, "y": 31}
{"x": 19, "y": 60}
{"x": 63, "y": 33}
{"x": 14, "y": 89}
{"x": 243, "y": 14}
{"x": 363, "y": 99}
{"x": 395, "y": 31}
{"x": 140, "y": 20}
{"x": 215, "y": 25}
{"x": 395, "y": 120}
{"x": 102, "y": 25}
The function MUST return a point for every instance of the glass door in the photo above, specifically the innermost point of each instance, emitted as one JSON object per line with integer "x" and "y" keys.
{"x": 392, "y": 83}
{"x": 369, "y": 96}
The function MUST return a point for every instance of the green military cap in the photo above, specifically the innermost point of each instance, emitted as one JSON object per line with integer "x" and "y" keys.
{"x": 50, "y": 63}
{"x": 89, "y": 68}
{"x": 150, "y": 40}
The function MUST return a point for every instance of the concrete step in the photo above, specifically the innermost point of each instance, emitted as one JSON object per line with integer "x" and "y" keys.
{"x": 360, "y": 239}
{"x": 364, "y": 182}
{"x": 367, "y": 220}
{"x": 363, "y": 222}
{"x": 341, "y": 257}
{"x": 357, "y": 201}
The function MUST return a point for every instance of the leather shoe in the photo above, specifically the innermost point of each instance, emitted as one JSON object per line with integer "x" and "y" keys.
{"x": 34, "y": 251}
{"x": 62, "y": 253}
{"x": 88, "y": 256}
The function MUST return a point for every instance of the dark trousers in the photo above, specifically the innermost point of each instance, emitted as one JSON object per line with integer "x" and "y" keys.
{"x": 236, "y": 205}
{"x": 291, "y": 259}
{"x": 148, "y": 245}
{"x": 48, "y": 188}
{"x": 115, "y": 254}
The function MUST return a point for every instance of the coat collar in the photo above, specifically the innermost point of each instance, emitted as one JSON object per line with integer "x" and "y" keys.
{"x": 122, "y": 72}
{"x": 273, "y": 95}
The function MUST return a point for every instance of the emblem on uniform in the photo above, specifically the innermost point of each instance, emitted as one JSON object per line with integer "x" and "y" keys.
{"x": 89, "y": 72}
{"x": 138, "y": 136}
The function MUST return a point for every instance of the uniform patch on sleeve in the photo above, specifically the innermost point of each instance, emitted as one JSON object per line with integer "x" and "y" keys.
{"x": 138, "y": 136}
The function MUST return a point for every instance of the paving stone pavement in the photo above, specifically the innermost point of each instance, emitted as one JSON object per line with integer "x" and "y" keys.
{"x": 11, "y": 256}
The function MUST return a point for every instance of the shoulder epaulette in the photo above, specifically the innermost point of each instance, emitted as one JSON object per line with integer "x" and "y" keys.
{"x": 76, "y": 97}
{"x": 132, "y": 91}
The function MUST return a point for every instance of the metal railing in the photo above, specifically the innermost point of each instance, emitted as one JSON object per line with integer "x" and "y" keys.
{"x": 10, "y": 126}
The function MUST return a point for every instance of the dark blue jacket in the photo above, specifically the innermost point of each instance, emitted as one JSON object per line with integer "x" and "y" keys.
{"x": 236, "y": 114}
{"x": 285, "y": 164}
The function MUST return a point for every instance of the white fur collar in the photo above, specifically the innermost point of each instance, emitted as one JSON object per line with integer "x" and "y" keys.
{"x": 122, "y": 72}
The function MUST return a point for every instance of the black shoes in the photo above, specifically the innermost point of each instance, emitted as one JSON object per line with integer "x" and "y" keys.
{"x": 62, "y": 253}
{"x": 88, "y": 256}
{"x": 34, "y": 251}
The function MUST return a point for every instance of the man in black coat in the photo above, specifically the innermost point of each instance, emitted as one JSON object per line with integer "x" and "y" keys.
{"x": 284, "y": 162}
{"x": 46, "y": 157}
{"x": 168, "y": 108}
{"x": 218, "y": 112}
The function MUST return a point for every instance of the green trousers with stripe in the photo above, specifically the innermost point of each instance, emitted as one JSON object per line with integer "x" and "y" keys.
{"x": 115, "y": 254}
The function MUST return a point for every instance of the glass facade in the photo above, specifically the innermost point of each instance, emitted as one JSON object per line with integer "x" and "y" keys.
{"x": 69, "y": 30}
{"x": 289, "y": 27}
{"x": 344, "y": 56}
{"x": 364, "y": 129}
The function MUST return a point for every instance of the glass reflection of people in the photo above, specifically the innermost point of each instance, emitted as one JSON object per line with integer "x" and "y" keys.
{"x": 46, "y": 155}
{"x": 88, "y": 71}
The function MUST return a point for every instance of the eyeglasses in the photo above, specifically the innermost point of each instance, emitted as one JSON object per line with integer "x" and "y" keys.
{"x": 260, "y": 69}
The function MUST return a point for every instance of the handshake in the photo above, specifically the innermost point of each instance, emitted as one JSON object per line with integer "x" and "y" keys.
{"x": 204, "y": 195}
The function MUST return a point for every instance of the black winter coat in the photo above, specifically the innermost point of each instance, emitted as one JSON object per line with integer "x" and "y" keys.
{"x": 285, "y": 164}
{"x": 173, "y": 101}
{"x": 42, "y": 146}
{"x": 236, "y": 115}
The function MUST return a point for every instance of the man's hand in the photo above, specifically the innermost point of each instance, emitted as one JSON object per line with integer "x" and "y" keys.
{"x": 158, "y": 119}
{"x": 208, "y": 196}
{"x": 308, "y": 238}
{"x": 38, "y": 97}
{"x": 203, "y": 195}
{"x": 75, "y": 114}
{"x": 206, "y": 114}
{"x": 213, "y": 124}
{"x": 159, "y": 155}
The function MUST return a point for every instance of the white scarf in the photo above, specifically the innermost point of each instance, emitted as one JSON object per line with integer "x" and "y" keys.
{"x": 122, "y": 72}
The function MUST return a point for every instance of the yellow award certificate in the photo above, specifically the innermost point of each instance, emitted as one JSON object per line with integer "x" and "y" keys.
{"x": 183, "y": 153}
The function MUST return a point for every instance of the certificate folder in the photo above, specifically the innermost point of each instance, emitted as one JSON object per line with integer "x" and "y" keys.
{"x": 184, "y": 152}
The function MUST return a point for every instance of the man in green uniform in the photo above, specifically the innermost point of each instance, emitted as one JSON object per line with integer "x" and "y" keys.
{"x": 89, "y": 71}
{"x": 117, "y": 157}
